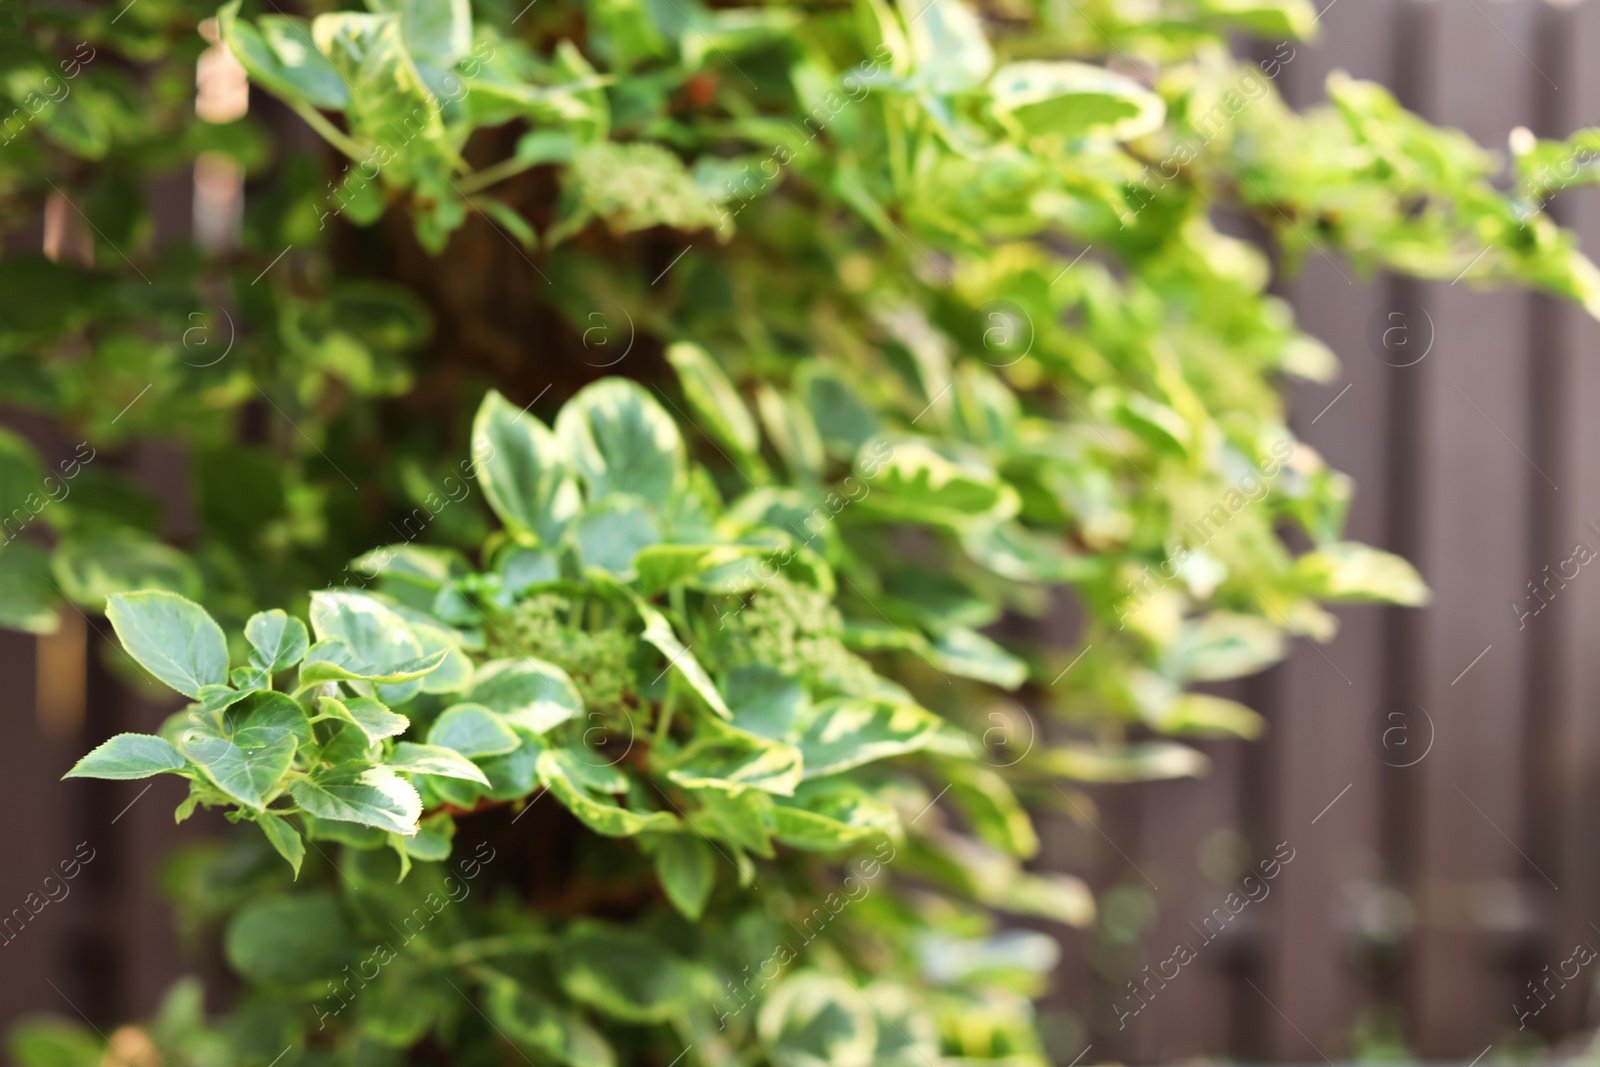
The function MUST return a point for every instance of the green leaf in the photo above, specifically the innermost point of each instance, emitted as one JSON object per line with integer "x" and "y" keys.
{"x": 435, "y": 759}
{"x": 633, "y": 186}
{"x": 22, "y": 491}
{"x": 558, "y": 774}
{"x": 285, "y": 840}
{"x": 992, "y": 809}
{"x": 659, "y": 633}
{"x": 1013, "y": 551}
{"x": 522, "y": 568}
{"x": 220, "y": 697}
{"x": 50, "y": 1041}
{"x": 249, "y": 678}
{"x": 289, "y": 940}
{"x": 400, "y": 1007}
{"x": 937, "y": 484}
{"x": 366, "y": 838}
{"x": 1224, "y": 645}
{"x": 766, "y": 703}
{"x": 844, "y": 422}
{"x": 524, "y": 470}
{"x": 1145, "y": 762}
{"x": 281, "y": 58}
{"x": 100, "y": 564}
{"x": 535, "y": 1021}
{"x": 623, "y": 972}
{"x": 1271, "y": 19}
{"x": 661, "y": 566}
{"x": 969, "y": 654}
{"x": 435, "y": 31}
{"x": 431, "y": 842}
{"x": 1058, "y": 897}
{"x": 951, "y": 48}
{"x": 622, "y": 441}
{"x": 245, "y": 774}
{"x": 827, "y": 814}
{"x": 473, "y": 730}
{"x": 128, "y": 756}
{"x": 360, "y": 793}
{"x": 27, "y": 600}
{"x": 332, "y": 661}
{"x": 1074, "y": 99}
{"x": 261, "y": 717}
{"x": 1203, "y": 715}
{"x": 612, "y": 533}
{"x": 733, "y": 762}
{"x": 527, "y": 693}
{"x": 278, "y": 639}
{"x": 686, "y": 868}
{"x": 714, "y": 400}
{"x": 515, "y": 774}
{"x": 375, "y": 721}
{"x": 743, "y": 820}
{"x": 846, "y": 733}
{"x": 817, "y": 1020}
{"x": 171, "y": 637}
{"x": 794, "y": 436}
{"x": 1348, "y": 571}
{"x": 380, "y": 643}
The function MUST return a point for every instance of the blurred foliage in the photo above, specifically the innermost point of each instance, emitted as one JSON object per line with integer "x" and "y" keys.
{"x": 928, "y": 302}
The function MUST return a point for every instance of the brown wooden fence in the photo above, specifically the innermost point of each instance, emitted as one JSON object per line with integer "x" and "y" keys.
{"x": 1436, "y": 773}
{"x": 1430, "y": 885}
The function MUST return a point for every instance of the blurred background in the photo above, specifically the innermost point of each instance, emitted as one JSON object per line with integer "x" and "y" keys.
{"x": 1429, "y": 784}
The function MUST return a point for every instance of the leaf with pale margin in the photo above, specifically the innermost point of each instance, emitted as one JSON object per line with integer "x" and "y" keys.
{"x": 557, "y": 774}
{"x": 172, "y": 637}
{"x": 280, "y": 57}
{"x": 659, "y": 633}
{"x": 622, "y": 441}
{"x": 378, "y": 638}
{"x": 686, "y": 869}
{"x": 528, "y": 693}
{"x": 524, "y": 470}
{"x": 846, "y": 733}
{"x": 277, "y": 639}
{"x": 246, "y": 775}
{"x": 331, "y": 661}
{"x": 360, "y": 793}
{"x": 369, "y": 716}
{"x": 473, "y": 730}
{"x": 128, "y": 756}
{"x": 285, "y": 839}
{"x": 717, "y": 404}
{"x": 436, "y": 760}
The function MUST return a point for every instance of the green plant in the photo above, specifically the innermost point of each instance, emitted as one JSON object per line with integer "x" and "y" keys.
{"x": 674, "y": 675}
{"x": 940, "y": 321}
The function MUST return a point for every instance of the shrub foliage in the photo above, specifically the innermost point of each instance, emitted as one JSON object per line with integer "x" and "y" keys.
{"x": 627, "y": 440}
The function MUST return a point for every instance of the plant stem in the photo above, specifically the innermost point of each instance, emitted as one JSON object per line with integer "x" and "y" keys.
{"x": 498, "y": 172}
{"x": 334, "y": 136}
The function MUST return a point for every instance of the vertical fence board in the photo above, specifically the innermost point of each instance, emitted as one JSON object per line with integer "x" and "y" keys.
{"x": 1320, "y": 743}
{"x": 1566, "y": 808}
{"x": 1475, "y": 433}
